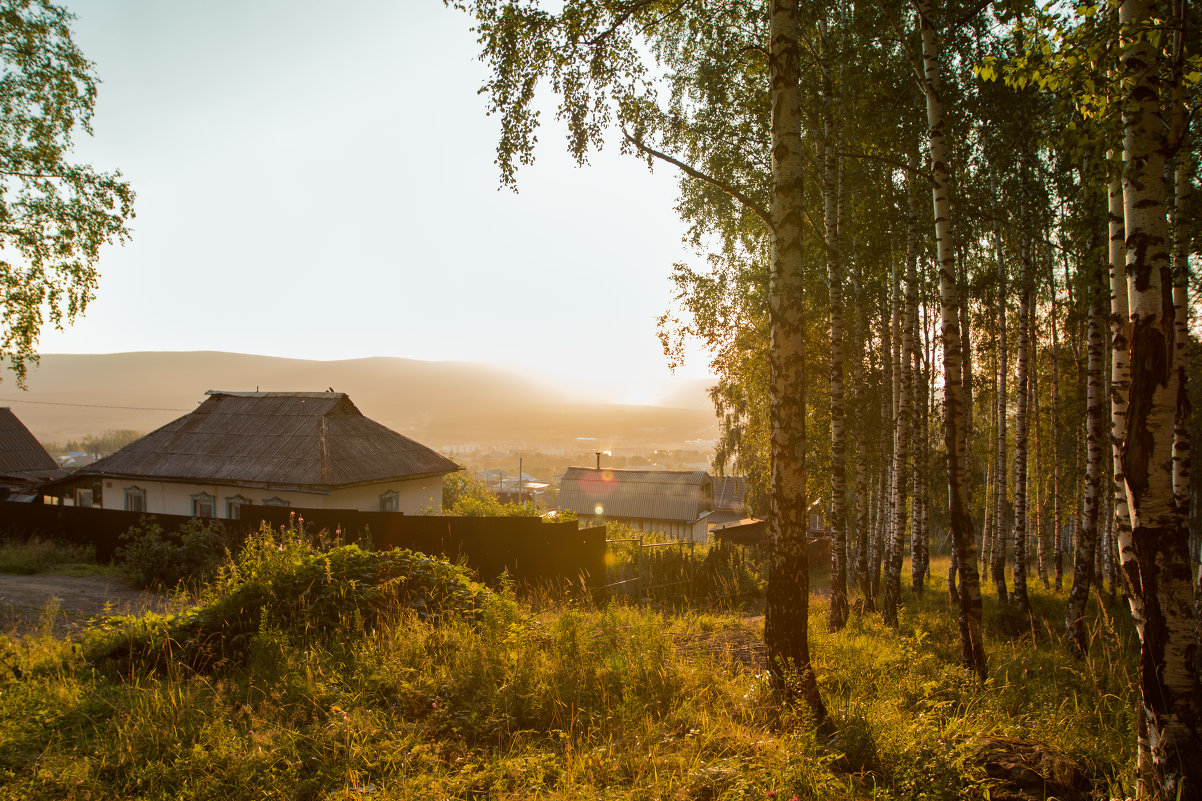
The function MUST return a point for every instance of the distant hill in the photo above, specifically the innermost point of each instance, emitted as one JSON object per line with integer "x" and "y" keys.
{"x": 438, "y": 403}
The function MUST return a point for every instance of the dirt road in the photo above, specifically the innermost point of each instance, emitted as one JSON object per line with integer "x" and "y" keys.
{"x": 28, "y": 603}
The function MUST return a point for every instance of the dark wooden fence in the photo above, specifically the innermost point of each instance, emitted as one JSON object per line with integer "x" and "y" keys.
{"x": 533, "y": 552}
{"x": 101, "y": 528}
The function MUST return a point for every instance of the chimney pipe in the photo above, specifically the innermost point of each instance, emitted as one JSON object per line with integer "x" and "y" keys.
{"x": 598, "y": 460}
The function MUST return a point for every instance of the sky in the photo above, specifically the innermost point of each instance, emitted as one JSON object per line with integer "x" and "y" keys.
{"x": 317, "y": 180}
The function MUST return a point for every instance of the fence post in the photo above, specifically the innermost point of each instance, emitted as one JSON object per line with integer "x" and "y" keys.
{"x": 642, "y": 572}
{"x": 692, "y": 569}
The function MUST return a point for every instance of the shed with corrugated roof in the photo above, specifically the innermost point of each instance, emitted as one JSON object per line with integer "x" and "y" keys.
{"x": 305, "y": 449}
{"x": 675, "y": 502}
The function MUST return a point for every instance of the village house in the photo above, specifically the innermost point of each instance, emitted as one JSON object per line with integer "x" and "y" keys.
{"x": 24, "y": 463}
{"x": 675, "y": 502}
{"x": 304, "y": 449}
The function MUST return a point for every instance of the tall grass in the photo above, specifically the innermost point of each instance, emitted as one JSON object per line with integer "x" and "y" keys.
{"x": 620, "y": 702}
{"x": 37, "y": 555}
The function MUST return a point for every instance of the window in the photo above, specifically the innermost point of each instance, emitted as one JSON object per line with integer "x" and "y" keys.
{"x": 232, "y": 506}
{"x": 204, "y": 505}
{"x": 135, "y": 499}
{"x": 83, "y": 497}
{"x": 276, "y": 501}
{"x": 390, "y": 501}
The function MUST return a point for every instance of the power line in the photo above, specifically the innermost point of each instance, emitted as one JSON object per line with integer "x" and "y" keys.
{"x": 94, "y": 405}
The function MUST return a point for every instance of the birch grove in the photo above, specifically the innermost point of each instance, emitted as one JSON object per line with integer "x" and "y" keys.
{"x": 1043, "y": 298}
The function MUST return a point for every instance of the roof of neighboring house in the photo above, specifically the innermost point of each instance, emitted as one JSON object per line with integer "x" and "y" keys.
{"x": 729, "y": 492}
{"x": 24, "y": 463}
{"x": 642, "y": 494}
{"x": 279, "y": 438}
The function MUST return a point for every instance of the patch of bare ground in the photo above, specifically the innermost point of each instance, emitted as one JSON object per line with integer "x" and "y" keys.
{"x": 62, "y": 605}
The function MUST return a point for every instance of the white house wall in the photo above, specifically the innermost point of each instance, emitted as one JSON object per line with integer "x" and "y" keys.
{"x": 171, "y": 497}
{"x": 415, "y": 496}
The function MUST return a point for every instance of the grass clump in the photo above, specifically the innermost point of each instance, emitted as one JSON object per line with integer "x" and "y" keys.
{"x": 36, "y": 555}
{"x": 279, "y": 582}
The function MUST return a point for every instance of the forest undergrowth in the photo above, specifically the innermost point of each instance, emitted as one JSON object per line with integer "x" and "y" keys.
{"x": 310, "y": 675}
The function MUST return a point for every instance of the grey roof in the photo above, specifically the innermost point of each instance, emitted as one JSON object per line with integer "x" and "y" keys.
{"x": 20, "y": 452}
{"x": 315, "y": 439}
{"x": 642, "y": 494}
{"x": 729, "y": 492}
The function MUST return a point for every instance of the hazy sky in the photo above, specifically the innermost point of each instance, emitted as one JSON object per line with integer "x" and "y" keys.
{"x": 316, "y": 180}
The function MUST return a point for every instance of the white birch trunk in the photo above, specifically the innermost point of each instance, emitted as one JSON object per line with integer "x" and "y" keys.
{"x": 972, "y": 649}
{"x": 1087, "y": 543}
{"x": 997, "y": 567}
{"x": 834, "y": 276}
{"x": 1020, "y": 433}
{"x": 1160, "y": 573}
{"x": 786, "y": 616}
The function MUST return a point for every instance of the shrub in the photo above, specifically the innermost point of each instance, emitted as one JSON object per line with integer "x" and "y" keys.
{"x": 156, "y": 558}
{"x": 465, "y": 495}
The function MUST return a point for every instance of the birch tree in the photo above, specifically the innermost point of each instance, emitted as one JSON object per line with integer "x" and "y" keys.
{"x": 1156, "y": 561}
{"x": 972, "y": 650}
{"x": 55, "y": 213}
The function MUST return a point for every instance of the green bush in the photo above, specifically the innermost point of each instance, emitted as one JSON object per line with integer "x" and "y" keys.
{"x": 465, "y": 495}
{"x": 154, "y": 558}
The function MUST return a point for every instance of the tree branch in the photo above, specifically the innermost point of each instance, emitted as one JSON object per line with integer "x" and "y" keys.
{"x": 692, "y": 172}
{"x": 901, "y": 165}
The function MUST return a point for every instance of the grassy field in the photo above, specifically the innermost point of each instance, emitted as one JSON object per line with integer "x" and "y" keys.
{"x": 359, "y": 686}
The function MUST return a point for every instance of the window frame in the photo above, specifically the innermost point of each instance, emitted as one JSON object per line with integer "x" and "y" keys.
{"x": 131, "y": 492}
{"x": 390, "y": 498}
{"x": 233, "y": 505}
{"x": 203, "y": 498}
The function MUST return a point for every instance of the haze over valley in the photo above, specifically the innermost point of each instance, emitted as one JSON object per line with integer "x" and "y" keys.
{"x": 450, "y": 406}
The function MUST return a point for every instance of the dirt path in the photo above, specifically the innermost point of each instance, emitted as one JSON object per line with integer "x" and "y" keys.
{"x": 27, "y": 603}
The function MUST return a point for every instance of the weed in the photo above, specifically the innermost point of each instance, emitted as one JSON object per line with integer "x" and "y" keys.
{"x": 337, "y": 684}
{"x": 37, "y": 555}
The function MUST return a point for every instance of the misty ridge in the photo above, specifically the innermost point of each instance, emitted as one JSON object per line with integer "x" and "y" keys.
{"x": 441, "y": 404}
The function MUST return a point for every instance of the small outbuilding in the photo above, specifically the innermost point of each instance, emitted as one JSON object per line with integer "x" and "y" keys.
{"x": 305, "y": 449}
{"x": 675, "y": 502}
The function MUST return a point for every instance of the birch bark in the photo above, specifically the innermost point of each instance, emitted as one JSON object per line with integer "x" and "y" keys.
{"x": 1020, "y": 433}
{"x": 997, "y": 567}
{"x": 972, "y": 650}
{"x": 1160, "y": 572}
{"x": 834, "y": 278}
{"x": 786, "y": 616}
{"x": 904, "y": 383}
{"x": 1087, "y": 543}
{"x": 1057, "y": 522}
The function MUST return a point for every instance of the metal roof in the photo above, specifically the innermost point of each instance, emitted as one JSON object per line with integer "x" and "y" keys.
{"x": 282, "y": 438}
{"x": 20, "y": 452}
{"x": 644, "y": 494}
{"x": 729, "y": 492}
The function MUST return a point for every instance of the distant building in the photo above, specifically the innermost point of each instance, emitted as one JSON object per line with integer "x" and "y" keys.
{"x": 306, "y": 449}
{"x": 729, "y": 506}
{"x": 677, "y": 503}
{"x": 24, "y": 463}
